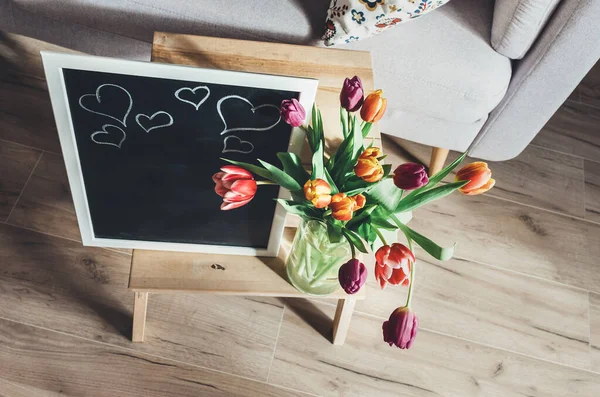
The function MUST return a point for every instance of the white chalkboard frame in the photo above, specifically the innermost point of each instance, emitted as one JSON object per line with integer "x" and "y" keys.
{"x": 53, "y": 65}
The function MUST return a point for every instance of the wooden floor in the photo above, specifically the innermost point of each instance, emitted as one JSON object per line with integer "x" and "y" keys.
{"x": 516, "y": 313}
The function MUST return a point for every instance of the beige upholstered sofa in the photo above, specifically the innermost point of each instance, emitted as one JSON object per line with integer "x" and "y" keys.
{"x": 482, "y": 72}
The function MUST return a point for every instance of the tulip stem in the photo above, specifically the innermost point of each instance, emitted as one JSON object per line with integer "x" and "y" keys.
{"x": 265, "y": 183}
{"x": 380, "y": 236}
{"x": 352, "y": 249}
{"x": 412, "y": 283}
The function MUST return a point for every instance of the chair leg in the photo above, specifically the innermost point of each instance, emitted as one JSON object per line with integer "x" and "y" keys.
{"x": 140, "y": 304}
{"x": 341, "y": 320}
{"x": 438, "y": 158}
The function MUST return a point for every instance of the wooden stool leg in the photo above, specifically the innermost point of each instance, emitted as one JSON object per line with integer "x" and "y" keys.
{"x": 438, "y": 158}
{"x": 140, "y": 304}
{"x": 341, "y": 320}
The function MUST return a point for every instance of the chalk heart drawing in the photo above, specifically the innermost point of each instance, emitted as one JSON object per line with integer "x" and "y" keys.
{"x": 163, "y": 119}
{"x": 110, "y": 135}
{"x": 233, "y": 144}
{"x": 107, "y": 94}
{"x": 195, "y": 99}
{"x": 253, "y": 108}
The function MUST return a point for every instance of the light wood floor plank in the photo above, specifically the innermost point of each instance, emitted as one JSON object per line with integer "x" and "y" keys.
{"x": 58, "y": 284}
{"x": 436, "y": 365}
{"x": 494, "y": 307}
{"x": 539, "y": 177}
{"x": 510, "y": 236}
{"x": 592, "y": 190}
{"x": 17, "y": 163}
{"x": 574, "y": 129}
{"x": 595, "y": 331}
{"x": 58, "y": 364}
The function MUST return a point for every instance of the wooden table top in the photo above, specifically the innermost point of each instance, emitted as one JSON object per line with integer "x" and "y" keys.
{"x": 242, "y": 275}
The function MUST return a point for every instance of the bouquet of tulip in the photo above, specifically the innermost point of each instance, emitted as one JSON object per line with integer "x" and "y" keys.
{"x": 352, "y": 196}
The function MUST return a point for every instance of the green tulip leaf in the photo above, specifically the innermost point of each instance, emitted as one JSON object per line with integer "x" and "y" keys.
{"x": 280, "y": 177}
{"x": 357, "y": 139}
{"x": 318, "y": 171}
{"x": 410, "y": 203}
{"x": 366, "y": 129}
{"x": 386, "y": 194}
{"x": 440, "y": 253}
{"x": 355, "y": 240}
{"x": 367, "y": 232}
{"x": 306, "y": 211}
{"x": 253, "y": 168}
{"x": 292, "y": 165}
{"x": 334, "y": 232}
{"x": 329, "y": 180}
{"x": 362, "y": 215}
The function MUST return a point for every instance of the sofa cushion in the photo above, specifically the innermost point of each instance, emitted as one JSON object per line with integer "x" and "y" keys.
{"x": 288, "y": 21}
{"x": 440, "y": 65}
{"x": 517, "y": 23}
{"x": 351, "y": 20}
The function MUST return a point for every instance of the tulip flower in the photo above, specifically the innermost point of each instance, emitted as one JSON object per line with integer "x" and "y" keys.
{"x": 318, "y": 192}
{"x": 342, "y": 206}
{"x": 479, "y": 175}
{"x": 401, "y": 328}
{"x": 292, "y": 112}
{"x": 393, "y": 265}
{"x": 352, "y": 95}
{"x": 368, "y": 167}
{"x": 373, "y": 107}
{"x": 352, "y": 276}
{"x": 409, "y": 176}
{"x": 236, "y": 185}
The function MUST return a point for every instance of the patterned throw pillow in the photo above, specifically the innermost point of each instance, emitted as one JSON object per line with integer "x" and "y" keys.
{"x": 352, "y": 20}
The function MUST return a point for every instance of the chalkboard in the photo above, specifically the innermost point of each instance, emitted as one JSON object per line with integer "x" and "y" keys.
{"x": 147, "y": 148}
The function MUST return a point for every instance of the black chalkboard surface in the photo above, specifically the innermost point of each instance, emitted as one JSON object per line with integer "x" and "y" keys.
{"x": 149, "y": 146}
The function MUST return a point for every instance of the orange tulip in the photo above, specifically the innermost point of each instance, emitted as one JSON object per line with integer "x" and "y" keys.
{"x": 373, "y": 107}
{"x": 368, "y": 167}
{"x": 343, "y": 206}
{"x": 480, "y": 177}
{"x": 318, "y": 192}
{"x": 359, "y": 201}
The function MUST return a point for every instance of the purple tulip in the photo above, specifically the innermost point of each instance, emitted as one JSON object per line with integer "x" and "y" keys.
{"x": 352, "y": 95}
{"x": 409, "y": 176}
{"x": 292, "y": 112}
{"x": 352, "y": 276}
{"x": 401, "y": 329}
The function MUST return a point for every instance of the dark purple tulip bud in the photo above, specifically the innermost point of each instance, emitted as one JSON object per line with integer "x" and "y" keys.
{"x": 401, "y": 329}
{"x": 292, "y": 112}
{"x": 352, "y": 95}
{"x": 352, "y": 276}
{"x": 409, "y": 176}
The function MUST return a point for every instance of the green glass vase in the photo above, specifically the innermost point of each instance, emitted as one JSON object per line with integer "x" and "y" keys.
{"x": 314, "y": 261}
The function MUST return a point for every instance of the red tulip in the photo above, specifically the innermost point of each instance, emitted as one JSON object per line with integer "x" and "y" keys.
{"x": 292, "y": 112}
{"x": 480, "y": 176}
{"x": 235, "y": 185}
{"x": 352, "y": 276}
{"x": 401, "y": 329}
{"x": 393, "y": 265}
{"x": 352, "y": 95}
{"x": 409, "y": 176}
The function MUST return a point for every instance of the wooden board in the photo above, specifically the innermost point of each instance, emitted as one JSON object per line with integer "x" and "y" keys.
{"x": 158, "y": 271}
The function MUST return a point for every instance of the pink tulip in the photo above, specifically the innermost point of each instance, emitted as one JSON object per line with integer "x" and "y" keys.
{"x": 352, "y": 95}
{"x": 292, "y": 112}
{"x": 352, "y": 276}
{"x": 409, "y": 176}
{"x": 236, "y": 185}
{"x": 401, "y": 329}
